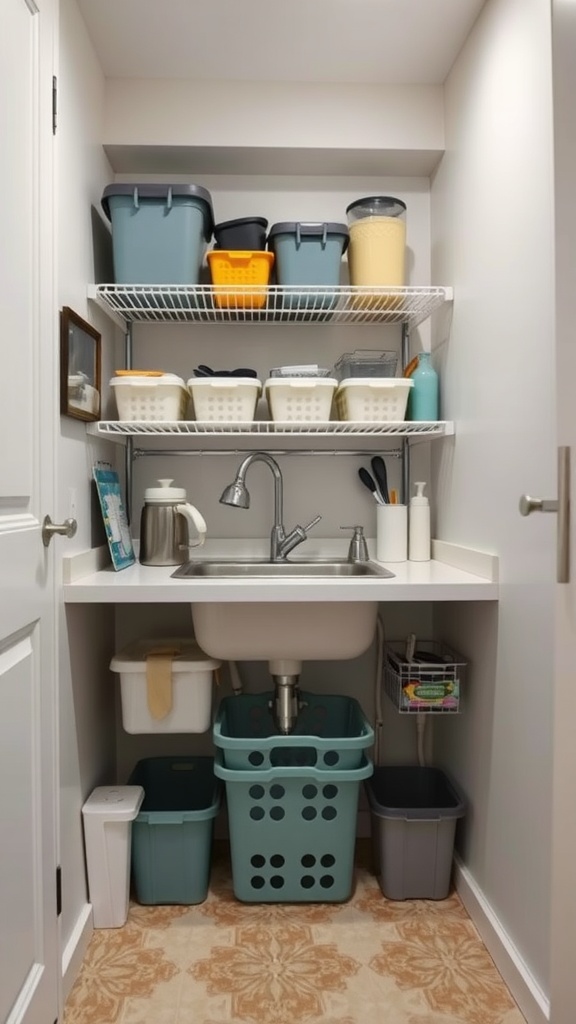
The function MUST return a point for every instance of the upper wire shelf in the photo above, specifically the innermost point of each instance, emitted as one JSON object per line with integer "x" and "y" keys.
{"x": 275, "y": 304}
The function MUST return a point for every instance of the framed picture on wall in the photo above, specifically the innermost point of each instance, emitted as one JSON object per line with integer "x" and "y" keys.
{"x": 80, "y": 385}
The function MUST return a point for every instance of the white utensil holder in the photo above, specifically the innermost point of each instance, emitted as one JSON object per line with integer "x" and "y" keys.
{"x": 391, "y": 533}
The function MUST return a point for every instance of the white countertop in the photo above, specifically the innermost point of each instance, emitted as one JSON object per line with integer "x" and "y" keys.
{"x": 413, "y": 581}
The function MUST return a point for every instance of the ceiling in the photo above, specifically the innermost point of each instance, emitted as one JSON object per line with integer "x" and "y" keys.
{"x": 364, "y": 41}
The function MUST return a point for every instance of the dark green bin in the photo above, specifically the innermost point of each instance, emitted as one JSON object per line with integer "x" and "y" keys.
{"x": 172, "y": 835}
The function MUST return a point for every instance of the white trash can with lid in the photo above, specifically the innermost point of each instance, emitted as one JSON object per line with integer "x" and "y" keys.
{"x": 107, "y": 816}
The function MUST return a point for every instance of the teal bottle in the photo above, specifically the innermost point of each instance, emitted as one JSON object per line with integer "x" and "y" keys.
{"x": 423, "y": 402}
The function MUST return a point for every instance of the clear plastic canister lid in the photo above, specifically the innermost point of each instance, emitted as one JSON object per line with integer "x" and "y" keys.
{"x": 375, "y": 206}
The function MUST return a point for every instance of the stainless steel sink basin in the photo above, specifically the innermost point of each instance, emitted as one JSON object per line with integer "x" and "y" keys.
{"x": 261, "y": 569}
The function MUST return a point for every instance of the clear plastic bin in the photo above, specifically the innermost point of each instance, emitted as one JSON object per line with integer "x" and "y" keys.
{"x": 366, "y": 363}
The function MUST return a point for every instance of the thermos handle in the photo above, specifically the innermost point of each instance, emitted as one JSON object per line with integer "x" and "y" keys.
{"x": 195, "y": 519}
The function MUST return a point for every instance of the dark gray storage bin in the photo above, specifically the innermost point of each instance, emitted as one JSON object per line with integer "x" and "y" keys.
{"x": 414, "y": 812}
{"x": 245, "y": 233}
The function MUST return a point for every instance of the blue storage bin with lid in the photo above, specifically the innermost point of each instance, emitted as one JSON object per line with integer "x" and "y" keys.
{"x": 159, "y": 232}
{"x": 309, "y": 253}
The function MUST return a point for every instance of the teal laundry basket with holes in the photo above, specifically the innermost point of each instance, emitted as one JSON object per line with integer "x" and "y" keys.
{"x": 331, "y": 732}
{"x": 292, "y": 832}
{"x": 172, "y": 834}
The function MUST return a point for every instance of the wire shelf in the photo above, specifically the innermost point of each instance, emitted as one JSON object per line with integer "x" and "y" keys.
{"x": 303, "y": 304}
{"x": 422, "y": 686}
{"x": 249, "y": 436}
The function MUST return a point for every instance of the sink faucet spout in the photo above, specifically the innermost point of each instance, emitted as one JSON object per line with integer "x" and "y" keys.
{"x": 237, "y": 495}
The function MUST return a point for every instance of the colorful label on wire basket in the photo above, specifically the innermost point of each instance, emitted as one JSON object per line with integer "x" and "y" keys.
{"x": 442, "y": 693}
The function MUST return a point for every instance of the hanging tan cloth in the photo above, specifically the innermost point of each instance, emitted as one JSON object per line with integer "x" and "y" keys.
{"x": 159, "y": 680}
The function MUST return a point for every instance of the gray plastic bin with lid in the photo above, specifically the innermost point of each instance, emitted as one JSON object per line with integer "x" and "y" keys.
{"x": 159, "y": 232}
{"x": 414, "y": 811}
{"x": 107, "y": 816}
{"x": 309, "y": 253}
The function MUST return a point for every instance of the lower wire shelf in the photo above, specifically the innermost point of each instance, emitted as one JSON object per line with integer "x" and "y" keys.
{"x": 247, "y": 436}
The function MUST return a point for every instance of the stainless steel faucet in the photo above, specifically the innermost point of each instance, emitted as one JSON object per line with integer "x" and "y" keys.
{"x": 237, "y": 495}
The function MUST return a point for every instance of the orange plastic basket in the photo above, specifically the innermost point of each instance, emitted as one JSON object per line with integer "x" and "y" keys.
{"x": 236, "y": 267}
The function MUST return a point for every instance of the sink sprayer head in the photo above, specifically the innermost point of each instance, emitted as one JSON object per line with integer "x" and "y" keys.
{"x": 236, "y": 494}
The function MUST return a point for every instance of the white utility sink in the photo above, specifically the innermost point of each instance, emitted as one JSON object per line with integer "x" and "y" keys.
{"x": 295, "y": 630}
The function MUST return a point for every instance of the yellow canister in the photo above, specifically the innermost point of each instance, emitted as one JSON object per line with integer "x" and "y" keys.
{"x": 377, "y": 249}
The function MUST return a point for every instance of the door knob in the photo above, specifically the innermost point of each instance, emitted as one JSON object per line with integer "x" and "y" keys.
{"x": 528, "y": 505}
{"x": 66, "y": 529}
{"x": 561, "y": 505}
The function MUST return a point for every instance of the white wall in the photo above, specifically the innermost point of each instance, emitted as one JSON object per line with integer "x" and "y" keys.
{"x": 86, "y": 709}
{"x": 492, "y": 231}
{"x": 272, "y": 128}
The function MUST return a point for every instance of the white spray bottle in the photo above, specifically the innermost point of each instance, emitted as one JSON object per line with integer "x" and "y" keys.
{"x": 419, "y": 526}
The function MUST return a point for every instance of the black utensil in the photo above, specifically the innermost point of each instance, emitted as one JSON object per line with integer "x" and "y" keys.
{"x": 206, "y": 371}
{"x": 379, "y": 470}
{"x": 368, "y": 482}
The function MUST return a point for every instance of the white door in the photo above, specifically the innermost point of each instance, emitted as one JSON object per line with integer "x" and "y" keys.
{"x": 29, "y": 954}
{"x": 563, "y": 936}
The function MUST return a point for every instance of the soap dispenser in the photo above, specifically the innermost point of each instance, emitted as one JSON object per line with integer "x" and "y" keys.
{"x": 419, "y": 526}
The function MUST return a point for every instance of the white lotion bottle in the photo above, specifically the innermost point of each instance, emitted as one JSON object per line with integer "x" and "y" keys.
{"x": 419, "y": 526}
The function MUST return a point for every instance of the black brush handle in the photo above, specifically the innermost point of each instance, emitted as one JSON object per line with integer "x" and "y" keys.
{"x": 381, "y": 475}
{"x": 368, "y": 481}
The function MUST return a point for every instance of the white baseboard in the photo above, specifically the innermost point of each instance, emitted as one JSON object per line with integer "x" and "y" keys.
{"x": 533, "y": 1003}
{"x": 75, "y": 949}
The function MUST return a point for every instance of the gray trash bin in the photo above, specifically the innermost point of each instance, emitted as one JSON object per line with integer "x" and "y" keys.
{"x": 414, "y": 812}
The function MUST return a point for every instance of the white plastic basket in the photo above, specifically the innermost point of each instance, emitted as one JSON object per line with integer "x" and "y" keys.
{"x": 150, "y": 398}
{"x": 300, "y": 399}
{"x": 191, "y": 687}
{"x": 224, "y": 399}
{"x": 373, "y": 400}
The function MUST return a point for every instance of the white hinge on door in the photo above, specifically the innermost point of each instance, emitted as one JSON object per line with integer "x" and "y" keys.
{"x": 561, "y": 505}
{"x": 54, "y": 104}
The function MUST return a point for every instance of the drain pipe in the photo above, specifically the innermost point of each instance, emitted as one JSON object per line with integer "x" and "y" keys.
{"x": 286, "y": 704}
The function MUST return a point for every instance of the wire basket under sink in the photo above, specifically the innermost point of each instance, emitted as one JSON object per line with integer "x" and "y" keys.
{"x": 430, "y": 684}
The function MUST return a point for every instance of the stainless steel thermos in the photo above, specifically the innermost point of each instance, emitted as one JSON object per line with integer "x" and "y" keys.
{"x": 169, "y": 526}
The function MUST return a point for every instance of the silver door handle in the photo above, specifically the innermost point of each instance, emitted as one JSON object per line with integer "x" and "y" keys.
{"x": 528, "y": 505}
{"x": 66, "y": 529}
{"x": 561, "y": 505}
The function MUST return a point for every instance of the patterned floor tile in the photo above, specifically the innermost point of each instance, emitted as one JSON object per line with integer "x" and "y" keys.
{"x": 225, "y": 962}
